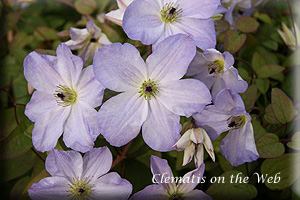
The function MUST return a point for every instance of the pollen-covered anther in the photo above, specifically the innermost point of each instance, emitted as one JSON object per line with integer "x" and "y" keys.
{"x": 216, "y": 67}
{"x": 171, "y": 12}
{"x": 236, "y": 122}
{"x": 80, "y": 189}
{"x": 148, "y": 89}
{"x": 65, "y": 96}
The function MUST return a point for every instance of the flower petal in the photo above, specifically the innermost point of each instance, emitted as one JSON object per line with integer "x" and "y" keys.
{"x": 202, "y": 31}
{"x": 48, "y": 128}
{"x": 184, "y": 97}
{"x": 197, "y": 174}
{"x": 69, "y": 66}
{"x": 151, "y": 192}
{"x": 226, "y": 100}
{"x": 96, "y": 163}
{"x": 39, "y": 104}
{"x": 160, "y": 170}
{"x": 111, "y": 187}
{"x": 119, "y": 67}
{"x": 40, "y": 72}
{"x": 188, "y": 154}
{"x": 198, "y": 9}
{"x": 213, "y": 121}
{"x": 121, "y": 117}
{"x": 197, "y": 66}
{"x": 115, "y": 16}
{"x": 239, "y": 147}
{"x": 171, "y": 58}
{"x": 88, "y": 89}
{"x": 50, "y": 188}
{"x": 233, "y": 81}
{"x": 196, "y": 195}
{"x": 66, "y": 164}
{"x": 184, "y": 141}
{"x": 81, "y": 128}
{"x": 199, "y": 155}
{"x": 142, "y": 22}
{"x": 162, "y": 129}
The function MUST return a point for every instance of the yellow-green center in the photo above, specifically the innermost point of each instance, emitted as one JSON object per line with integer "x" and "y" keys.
{"x": 236, "y": 122}
{"x": 216, "y": 67}
{"x": 80, "y": 189}
{"x": 171, "y": 12}
{"x": 65, "y": 96}
{"x": 148, "y": 89}
{"x": 175, "y": 196}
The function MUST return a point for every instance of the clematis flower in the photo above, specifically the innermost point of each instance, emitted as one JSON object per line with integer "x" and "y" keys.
{"x": 216, "y": 71}
{"x": 77, "y": 177}
{"x": 87, "y": 40}
{"x": 169, "y": 189}
{"x": 237, "y": 8}
{"x": 151, "y": 21}
{"x": 64, "y": 100}
{"x": 152, "y": 96}
{"x": 228, "y": 114}
{"x": 192, "y": 142}
{"x": 288, "y": 37}
{"x": 116, "y": 16}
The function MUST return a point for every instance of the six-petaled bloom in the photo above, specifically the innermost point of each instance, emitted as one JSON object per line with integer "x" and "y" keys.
{"x": 77, "y": 177}
{"x": 193, "y": 142}
{"x": 116, "y": 16}
{"x": 169, "y": 189}
{"x": 228, "y": 114}
{"x": 152, "y": 95}
{"x": 87, "y": 40}
{"x": 216, "y": 70}
{"x": 64, "y": 100}
{"x": 151, "y": 21}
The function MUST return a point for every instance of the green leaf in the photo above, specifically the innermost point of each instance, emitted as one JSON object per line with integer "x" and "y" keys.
{"x": 250, "y": 96}
{"x": 282, "y": 106}
{"x": 295, "y": 142}
{"x": 259, "y": 131}
{"x": 257, "y": 61}
{"x": 263, "y": 17}
{"x": 268, "y": 146}
{"x": 271, "y": 45}
{"x": 17, "y": 167}
{"x": 247, "y": 24}
{"x": 17, "y": 191}
{"x": 262, "y": 85}
{"x": 233, "y": 41}
{"x": 284, "y": 165}
{"x": 267, "y": 71}
{"x": 85, "y": 7}
{"x": 269, "y": 115}
{"x": 232, "y": 191}
{"x": 45, "y": 33}
{"x": 18, "y": 143}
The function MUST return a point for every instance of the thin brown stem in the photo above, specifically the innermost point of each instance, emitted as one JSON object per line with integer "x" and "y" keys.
{"x": 37, "y": 154}
{"x": 121, "y": 156}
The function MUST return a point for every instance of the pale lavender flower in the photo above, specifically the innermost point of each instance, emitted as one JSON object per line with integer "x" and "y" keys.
{"x": 228, "y": 114}
{"x": 77, "y": 177}
{"x": 152, "y": 95}
{"x": 87, "y": 40}
{"x": 193, "y": 142}
{"x": 216, "y": 71}
{"x": 245, "y": 8}
{"x": 151, "y": 21}
{"x": 64, "y": 100}
{"x": 116, "y": 16}
{"x": 168, "y": 189}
